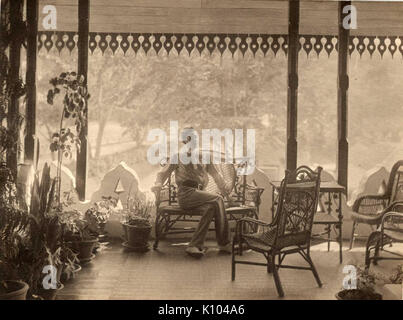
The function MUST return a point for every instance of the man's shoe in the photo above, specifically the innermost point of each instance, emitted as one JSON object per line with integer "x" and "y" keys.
{"x": 226, "y": 248}
{"x": 195, "y": 252}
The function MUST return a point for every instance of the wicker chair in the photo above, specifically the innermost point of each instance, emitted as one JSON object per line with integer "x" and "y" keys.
{"x": 370, "y": 209}
{"x": 390, "y": 230}
{"x": 289, "y": 233}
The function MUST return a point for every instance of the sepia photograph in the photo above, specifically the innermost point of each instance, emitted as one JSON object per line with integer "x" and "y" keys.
{"x": 201, "y": 155}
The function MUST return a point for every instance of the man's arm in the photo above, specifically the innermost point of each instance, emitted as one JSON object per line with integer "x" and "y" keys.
{"x": 163, "y": 175}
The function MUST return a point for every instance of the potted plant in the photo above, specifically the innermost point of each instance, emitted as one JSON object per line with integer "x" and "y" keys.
{"x": 79, "y": 236}
{"x": 85, "y": 244}
{"x": 365, "y": 289}
{"x": 397, "y": 275}
{"x": 45, "y": 235}
{"x": 13, "y": 225}
{"x": 31, "y": 238}
{"x": 13, "y": 222}
{"x": 70, "y": 264}
{"x": 137, "y": 223}
{"x": 97, "y": 216}
{"x": 13, "y": 290}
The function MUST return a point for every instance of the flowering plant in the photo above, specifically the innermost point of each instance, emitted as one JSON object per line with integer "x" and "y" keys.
{"x": 102, "y": 210}
{"x": 138, "y": 211}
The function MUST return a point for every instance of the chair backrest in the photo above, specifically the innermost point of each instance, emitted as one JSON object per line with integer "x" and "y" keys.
{"x": 298, "y": 203}
{"x": 228, "y": 173}
{"x": 395, "y": 185}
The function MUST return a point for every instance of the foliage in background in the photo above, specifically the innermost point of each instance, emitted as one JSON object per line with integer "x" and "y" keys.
{"x": 132, "y": 94}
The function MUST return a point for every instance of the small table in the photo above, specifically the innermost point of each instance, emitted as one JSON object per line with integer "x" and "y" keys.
{"x": 330, "y": 195}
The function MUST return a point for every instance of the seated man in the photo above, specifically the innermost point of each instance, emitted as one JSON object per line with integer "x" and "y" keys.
{"x": 191, "y": 180}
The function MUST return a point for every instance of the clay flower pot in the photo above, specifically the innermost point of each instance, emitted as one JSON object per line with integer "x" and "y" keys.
{"x": 84, "y": 249}
{"x": 17, "y": 290}
{"x": 50, "y": 294}
{"x": 356, "y": 294}
{"x": 137, "y": 236}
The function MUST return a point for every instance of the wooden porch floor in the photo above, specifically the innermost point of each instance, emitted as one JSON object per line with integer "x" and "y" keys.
{"x": 170, "y": 274}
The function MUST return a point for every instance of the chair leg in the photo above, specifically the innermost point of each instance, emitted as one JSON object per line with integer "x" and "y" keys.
{"x": 340, "y": 238}
{"x": 157, "y": 233}
{"x": 352, "y": 235}
{"x": 329, "y": 229}
{"x": 376, "y": 253}
{"x": 269, "y": 267}
{"x": 367, "y": 258}
{"x": 156, "y": 242}
{"x": 233, "y": 261}
{"x": 277, "y": 281}
{"x": 315, "y": 273}
{"x": 372, "y": 243}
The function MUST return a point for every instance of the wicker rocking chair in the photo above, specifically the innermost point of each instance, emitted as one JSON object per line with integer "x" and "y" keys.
{"x": 289, "y": 233}
{"x": 390, "y": 231}
{"x": 370, "y": 209}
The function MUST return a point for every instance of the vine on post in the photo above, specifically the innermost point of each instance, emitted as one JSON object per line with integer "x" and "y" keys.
{"x": 72, "y": 119}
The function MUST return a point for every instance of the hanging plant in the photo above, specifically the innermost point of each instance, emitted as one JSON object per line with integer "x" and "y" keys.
{"x": 75, "y": 99}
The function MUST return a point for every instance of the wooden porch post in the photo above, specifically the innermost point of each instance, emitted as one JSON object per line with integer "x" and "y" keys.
{"x": 342, "y": 98}
{"x": 292, "y": 97}
{"x": 17, "y": 33}
{"x": 32, "y": 48}
{"x": 82, "y": 155}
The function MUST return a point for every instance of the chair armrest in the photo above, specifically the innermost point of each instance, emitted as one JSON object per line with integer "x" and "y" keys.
{"x": 370, "y": 204}
{"x": 392, "y": 223}
{"x": 240, "y": 225}
{"x": 390, "y": 216}
{"x": 256, "y": 194}
{"x": 253, "y": 221}
{"x": 157, "y": 192}
{"x": 396, "y": 206}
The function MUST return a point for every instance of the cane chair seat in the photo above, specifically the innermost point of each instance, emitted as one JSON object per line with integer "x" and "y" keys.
{"x": 324, "y": 217}
{"x": 266, "y": 240}
{"x": 367, "y": 219}
{"x": 395, "y": 235}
